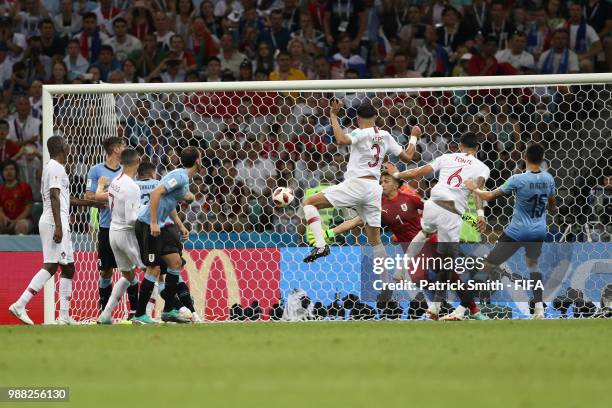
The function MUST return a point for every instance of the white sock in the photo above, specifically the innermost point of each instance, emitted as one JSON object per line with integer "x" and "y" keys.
{"x": 460, "y": 310}
{"x": 539, "y": 305}
{"x": 435, "y": 307}
{"x": 65, "y": 293}
{"x": 152, "y": 301}
{"x": 415, "y": 247}
{"x": 313, "y": 219}
{"x": 36, "y": 284}
{"x": 378, "y": 251}
{"x": 116, "y": 295}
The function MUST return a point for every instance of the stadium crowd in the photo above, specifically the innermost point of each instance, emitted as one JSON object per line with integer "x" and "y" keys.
{"x": 254, "y": 142}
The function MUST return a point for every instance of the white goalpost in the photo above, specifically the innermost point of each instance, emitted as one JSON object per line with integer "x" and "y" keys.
{"x": 244, "y": 255}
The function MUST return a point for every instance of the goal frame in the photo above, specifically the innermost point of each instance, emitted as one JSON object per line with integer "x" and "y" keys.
{"x": 388, "y": 84}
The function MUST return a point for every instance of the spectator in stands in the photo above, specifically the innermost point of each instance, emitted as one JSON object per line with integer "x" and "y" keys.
{"x": 8, "y": 148}
{"x": 35, "y": 98}
{"x": 229, "y": 56}
{"x": 484, "y": 63}
{"x": 276, "y": 35}
{"x": 75, "y": 62}
{"x": 284, "y": 71}
{"x": 66, "y": 22}
{"x": 107, "y": 62}
{"x": 300, "y": 59}
{"x": 30, "y": 17}
{"x": 23, "y": 127}
{"x": 149, "y": 58}
{"x": 431, "y": 144}
{"x": 515, "y": 54}
{"x": 345, "y": 59}
{"x": 52, "y": 45}
{"x": 130, "y": 72}
{"x": 314, "y": 40}
{"x": 344, "y": 17}
{"x": 584, "y": 40}
{"x": 250, "y": 19}
{"x": 254, "y": 171}
{"x": 601, "y": 199}
{"x": 246, "y": 71}
{"x": 431, "y": 57}
{"x": 15, "y": 202}
{"x": 321, "y": 69}
{"x": 477, "y": 16}
{"x": 539, "y": 34}
{"x": 208, "y": 15}
{"x": 90, "y": 38}
{"x": 6, "y": 64}
{"x": 141, "y": 20}
{"x": 291, "y": 15}
{"x": 163, "y": 33}
{"x": 412, "y": 33}
{"x": 14, "y": 40}
{"x": 499, "y": 25}
{"x": 30, "y": 168}
{"x": 137, "y": 130}
{"x": 452, "y": 34}
{"x": 59, "y": 74}
{"x": 265, "y": 58}
{"x": 400, "y": 67}
{"x": 38, "y": 65}
{"x": 182, "y": 21}
{"x": 213, "y": 70}
{"x": 177, "y": 47}
{"x": 123, "y": 44}
{"x": 559, "y": 59}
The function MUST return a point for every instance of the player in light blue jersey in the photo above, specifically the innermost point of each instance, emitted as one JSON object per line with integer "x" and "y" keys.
{"x": 534, "y": 194}
{"x": 156, "y": 246}
{"x": 147, "y": 181}
{"x": 98, "y": 179}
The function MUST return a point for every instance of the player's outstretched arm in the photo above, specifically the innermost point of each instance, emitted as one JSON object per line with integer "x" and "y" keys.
{"x": 155, "y": 197}
{"x": 408, "y": 155}
{"x": 414, "y": 173}
{"x": 341, "y": 137}
{"x": 101, "y": 193}
{"x": 474, "y": 187}
{"x": 84, "y": 202}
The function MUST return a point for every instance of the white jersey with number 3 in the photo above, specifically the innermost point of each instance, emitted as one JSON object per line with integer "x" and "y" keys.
{"x": 368, "y": 149}
{"x": 454, "y": 169}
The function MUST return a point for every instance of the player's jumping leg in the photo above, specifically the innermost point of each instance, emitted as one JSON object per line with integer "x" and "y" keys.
{"x": 536, "y": 276}
{"x": 132, "y": 292}
{"x": 65, "y": 294}
{"x": 146, "y": 289}
{"x": 119, "y": 289}
{"x": 312, "y": 205}
{"x": 105, "y": 286}
{"x": 18, "y": 309}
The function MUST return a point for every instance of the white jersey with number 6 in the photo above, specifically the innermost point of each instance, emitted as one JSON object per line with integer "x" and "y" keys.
{"x": 368, "y": 149}
{"x": 454, "y": 169}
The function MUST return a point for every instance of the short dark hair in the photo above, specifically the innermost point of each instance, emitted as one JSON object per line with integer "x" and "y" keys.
{"x": 108, "y": 48}
{"x": 119, "y": 20}
{"x": 535, "y": 153}
{"x": 74, "y": 41}
{"x": 90, "y": 14}
{"x": 129, "y": 157}
{"x": 189, "y": 156}
{"x": 469, "y": 140}
{"x": 213, "y": 58}
{"x": 55, "y": 145}
{"x": 366, "y": 111}
{"x": 45, "y": 21}
{"x": 109, "y": 143}
{"x": 146, "y": 170}
{"x": 13, "y": 163}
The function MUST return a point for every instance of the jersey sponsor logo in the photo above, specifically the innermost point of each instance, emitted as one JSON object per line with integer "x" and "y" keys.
{"x": 172, "y": 182}
{"x": 88, "y": 183}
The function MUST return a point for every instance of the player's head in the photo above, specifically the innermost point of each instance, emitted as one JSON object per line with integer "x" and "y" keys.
{"x": 129, "y": 158}
{"x": 190, "y": 158}
{"x": 57, "y": 147}
{"x": 469, "y": 142}
{"x": 113, "y": 146}
{"x": 146, "y": 171}
{"x": 366, "y": 114}
{"x": 534, "y": 154}
{"x": 389, "y": 184}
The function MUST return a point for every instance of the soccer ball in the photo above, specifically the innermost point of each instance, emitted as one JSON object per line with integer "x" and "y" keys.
{"x": 283, "y": 196}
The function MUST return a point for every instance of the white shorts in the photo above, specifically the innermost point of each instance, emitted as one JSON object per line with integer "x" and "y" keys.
{"x": 126, "y": 250}
{"x": 364, "y": 195}
{"x": 53, "y": 253}
{"x": 446, "y": 223}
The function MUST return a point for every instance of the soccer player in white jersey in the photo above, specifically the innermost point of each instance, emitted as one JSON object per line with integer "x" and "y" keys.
{"x": 124, "y": 206}
{"x": 360, "y": 188}
{"x": 442, "y": 213}
{"x": 54, "y": 235}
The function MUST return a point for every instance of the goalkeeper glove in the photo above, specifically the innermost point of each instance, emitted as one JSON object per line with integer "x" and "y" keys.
{"x": 328, "y": 235}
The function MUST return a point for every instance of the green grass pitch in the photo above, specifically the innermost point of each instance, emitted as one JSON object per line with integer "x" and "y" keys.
{"x": 540, "y": 364}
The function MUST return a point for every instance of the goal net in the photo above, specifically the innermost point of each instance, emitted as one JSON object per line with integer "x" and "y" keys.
{"x": 244, "y": 254}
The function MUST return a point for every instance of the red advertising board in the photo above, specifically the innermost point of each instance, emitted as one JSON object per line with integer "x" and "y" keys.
{"x": 217, "y": 278}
